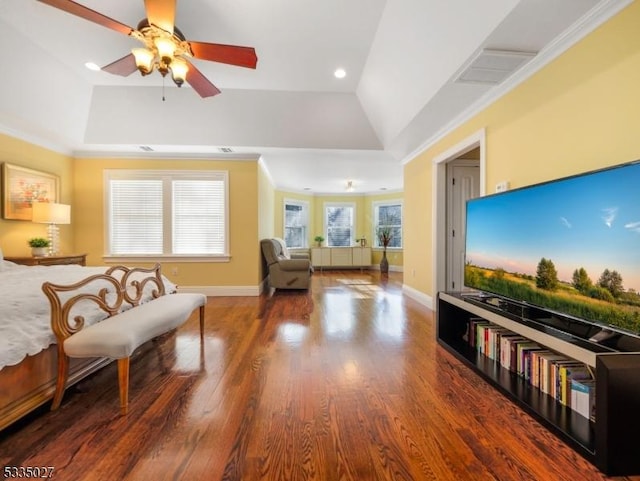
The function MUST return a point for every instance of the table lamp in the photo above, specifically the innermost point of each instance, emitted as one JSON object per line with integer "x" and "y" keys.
{"x": 52, "y": 214}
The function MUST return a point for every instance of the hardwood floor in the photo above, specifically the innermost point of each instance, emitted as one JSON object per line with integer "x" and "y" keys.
{"x": 343, "y": 382}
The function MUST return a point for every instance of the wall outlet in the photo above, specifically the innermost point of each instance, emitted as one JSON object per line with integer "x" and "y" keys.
{"x": 502, "y": 186}
{"x": 174, "y": 271}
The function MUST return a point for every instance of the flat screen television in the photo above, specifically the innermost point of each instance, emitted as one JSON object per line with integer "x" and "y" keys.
{"x": 570, "y": 246}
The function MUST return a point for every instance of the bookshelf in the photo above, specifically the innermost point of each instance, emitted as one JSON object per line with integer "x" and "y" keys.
{"x": 610, "y": 441}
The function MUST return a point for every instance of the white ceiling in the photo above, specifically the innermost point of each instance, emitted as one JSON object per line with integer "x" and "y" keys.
{"x": 312, "y": 131}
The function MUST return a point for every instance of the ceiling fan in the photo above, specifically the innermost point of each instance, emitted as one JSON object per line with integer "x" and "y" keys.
{"x": 165, "y": 47}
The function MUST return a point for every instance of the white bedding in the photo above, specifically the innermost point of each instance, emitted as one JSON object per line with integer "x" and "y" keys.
{"x": 25, "y": 314}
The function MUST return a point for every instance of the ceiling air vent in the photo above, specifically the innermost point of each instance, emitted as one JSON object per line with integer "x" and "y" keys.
{"x": 226, "y": 150}
{"x": 493, "y": 66}
{"x": 146, "y": 148}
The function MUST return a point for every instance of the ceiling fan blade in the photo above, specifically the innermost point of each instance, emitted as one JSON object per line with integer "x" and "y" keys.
{"x": 200, "y": 83}
{"x": 88, "y": 14}
{"x": 124, "y": 66}
{"x": 231, "y": 54}
{"x": 161, "y": 13}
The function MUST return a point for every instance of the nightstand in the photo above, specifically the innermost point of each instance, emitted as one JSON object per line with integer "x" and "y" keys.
{"x": 50, "y": 260}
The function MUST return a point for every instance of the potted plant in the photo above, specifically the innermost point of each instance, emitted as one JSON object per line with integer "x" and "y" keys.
{"x": 385, "y": 235}
{"x": 319, "y": 239}
{"x": 38, "y": 246}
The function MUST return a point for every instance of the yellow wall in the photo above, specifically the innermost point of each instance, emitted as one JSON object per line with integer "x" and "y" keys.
{"x": 15, "y": 233}
{"x": 579, "y": 113}
{"x": 364, "y": 217}
{"x": 243, "y": 268}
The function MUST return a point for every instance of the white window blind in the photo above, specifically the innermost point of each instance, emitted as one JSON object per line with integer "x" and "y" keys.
{"x": 389, "y": 215}
{"x": 136, "y": 217}
{"x": 180, "y": 213}
{"x": 339, "y": 224}
{"x": 199, "y": 224}
{"x": 296, "y": 219}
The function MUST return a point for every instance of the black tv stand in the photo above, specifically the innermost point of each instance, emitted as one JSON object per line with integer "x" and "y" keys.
{"x": 609, "y": 442}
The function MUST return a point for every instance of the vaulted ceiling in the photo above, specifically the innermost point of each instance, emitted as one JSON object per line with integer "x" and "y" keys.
{"x": 312, "y": 130}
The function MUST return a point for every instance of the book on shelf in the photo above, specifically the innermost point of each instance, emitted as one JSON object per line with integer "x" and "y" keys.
{"x": 583, "y": 397}
{"x": 546, "y": 368}
{"x": 534, "y": 377}
{"x": 524, "y": 357}
{"x": 469, "y": 335}
{"x": 568, "y": 372}
{"x": 473, "y": 330}
{"x": 506, "y": 341}
{"x": 514, "y": 357}
{"x": 556, "y": 381}
{"x": 495, "y": 333}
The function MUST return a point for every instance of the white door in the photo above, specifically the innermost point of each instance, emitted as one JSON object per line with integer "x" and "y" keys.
{"x": 463, "y": 183}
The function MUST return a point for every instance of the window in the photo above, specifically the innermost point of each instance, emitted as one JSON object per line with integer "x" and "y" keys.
{"x": 389, "y": 215}
{"x": 296, "y": 220}
{"x": 339, "y": 220}
{"x": 166, "y": 213}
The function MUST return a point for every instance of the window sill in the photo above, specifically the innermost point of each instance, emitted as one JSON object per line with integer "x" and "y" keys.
{"x": 166, "y": 258}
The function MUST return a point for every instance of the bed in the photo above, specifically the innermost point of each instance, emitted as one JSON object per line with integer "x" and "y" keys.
{"x": 28, "y": 355}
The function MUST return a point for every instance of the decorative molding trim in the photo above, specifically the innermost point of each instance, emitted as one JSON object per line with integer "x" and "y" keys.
{"x": 35, "y": 140}
{"x": 265, "y": 170}
{"x": 223, "y": 291}
{"x": 418, "y": 296}
{"x": 580, "y": 29}
{"x": 392, "y": 268}
{"x": 101, "y": 154}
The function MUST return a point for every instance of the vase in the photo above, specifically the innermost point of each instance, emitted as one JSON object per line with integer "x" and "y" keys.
{"x": 38, "y": 251}
{"x": 384, "y": 263}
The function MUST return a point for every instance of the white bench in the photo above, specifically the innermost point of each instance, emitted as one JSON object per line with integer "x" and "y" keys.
{"x": 131, "y": 321}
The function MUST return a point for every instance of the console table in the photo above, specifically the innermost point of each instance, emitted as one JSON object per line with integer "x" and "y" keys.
{"x": 608, "y": 441}
{"x": 80, "y": 259}
{"x": 341, "y": 257}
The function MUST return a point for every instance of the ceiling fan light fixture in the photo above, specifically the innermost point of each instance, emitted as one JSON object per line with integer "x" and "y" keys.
{"x": 144, "y": 59}
{"x": 164, "y": 45}
{"x": 179, "y": 69}
{"x": 166, "y": 48}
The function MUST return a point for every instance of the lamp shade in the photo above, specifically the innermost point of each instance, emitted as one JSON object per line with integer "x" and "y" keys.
{"x": 144, "y": 59}
{"x": 51, "y": 213}
{"x": 179, "y": 69}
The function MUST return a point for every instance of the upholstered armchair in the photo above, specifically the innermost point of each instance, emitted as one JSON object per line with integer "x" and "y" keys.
{"x": 285, "y": 271}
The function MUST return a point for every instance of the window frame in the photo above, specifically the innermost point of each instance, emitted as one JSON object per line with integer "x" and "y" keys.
{"x": 167, "y": 176}
{"x": 376, "y": 216}
{"x": 305, "y": 208}
{"x": 351, "y": 205}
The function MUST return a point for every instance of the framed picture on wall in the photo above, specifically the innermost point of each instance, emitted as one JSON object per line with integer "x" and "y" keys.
{"x": 21, "y": 187}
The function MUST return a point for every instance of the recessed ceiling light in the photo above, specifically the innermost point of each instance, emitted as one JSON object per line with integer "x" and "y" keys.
{"x": 340, "y": 73}
{"x": 307, "y": 188}
{"x": 92, "y": 66}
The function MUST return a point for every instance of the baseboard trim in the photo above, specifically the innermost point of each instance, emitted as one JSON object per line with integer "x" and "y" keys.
{"x": 418, "y": 296}
{"x": 376, "y": 267}
{"x": 224, "y": 291}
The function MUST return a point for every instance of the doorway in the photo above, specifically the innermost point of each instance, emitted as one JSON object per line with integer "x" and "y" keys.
{"x": 463, "y": 183}
{"x": 466, "y": 160}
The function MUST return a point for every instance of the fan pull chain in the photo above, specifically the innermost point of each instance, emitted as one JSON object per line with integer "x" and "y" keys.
{"x": 163, "y": 99}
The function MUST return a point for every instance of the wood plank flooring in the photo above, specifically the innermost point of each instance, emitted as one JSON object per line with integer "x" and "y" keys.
{"x": 341, "y": 382}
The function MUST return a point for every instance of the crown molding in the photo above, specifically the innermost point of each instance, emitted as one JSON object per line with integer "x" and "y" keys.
{"x": 35, "y": 140}
{"x": 598, "y": 15}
